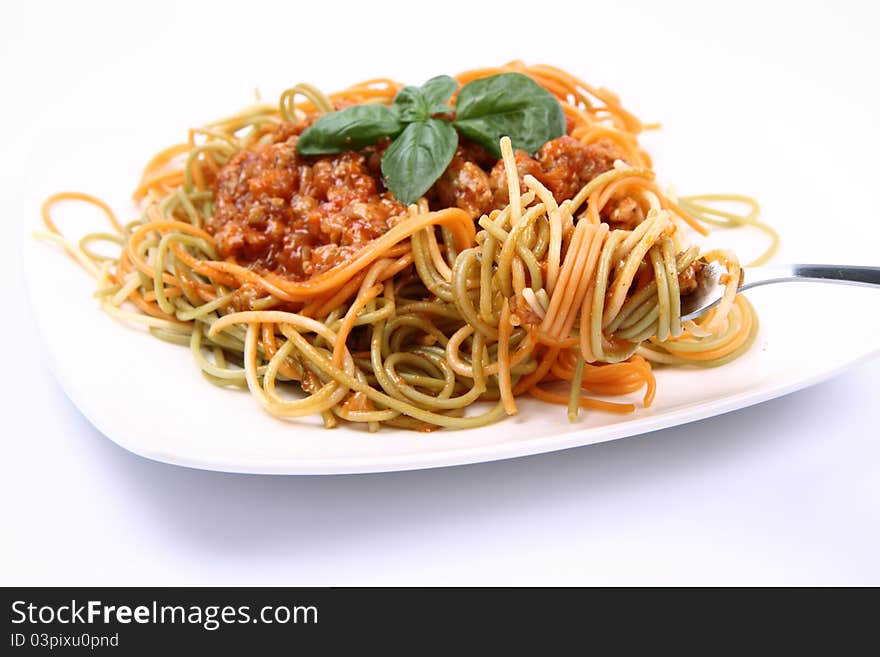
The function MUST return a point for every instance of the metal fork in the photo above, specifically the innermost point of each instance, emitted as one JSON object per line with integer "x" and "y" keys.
{"x": 709, "y": 291}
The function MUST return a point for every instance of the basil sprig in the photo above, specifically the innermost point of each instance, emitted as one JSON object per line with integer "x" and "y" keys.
{"x": 425, "y": 137}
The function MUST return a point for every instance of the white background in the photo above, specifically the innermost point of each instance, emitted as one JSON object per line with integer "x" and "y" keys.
{"x": 787, "y": 492}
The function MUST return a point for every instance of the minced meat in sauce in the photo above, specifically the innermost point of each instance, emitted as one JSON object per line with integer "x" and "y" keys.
{"x": 299, "y": 216}
{"x": 688, "y": 279}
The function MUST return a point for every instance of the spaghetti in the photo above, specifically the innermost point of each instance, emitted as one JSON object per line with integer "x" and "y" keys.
{"x": 557, "y": 297}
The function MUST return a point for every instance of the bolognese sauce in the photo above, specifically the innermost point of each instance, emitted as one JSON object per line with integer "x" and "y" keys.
{"x": 300, "y": 216}
{"x": 297, "y": 216}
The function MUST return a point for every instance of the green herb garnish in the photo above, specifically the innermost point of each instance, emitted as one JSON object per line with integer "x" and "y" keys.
{"x": 420, "y": 122}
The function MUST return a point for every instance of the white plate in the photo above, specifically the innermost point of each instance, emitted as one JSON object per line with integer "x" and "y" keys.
{"x": 150, "y": 398}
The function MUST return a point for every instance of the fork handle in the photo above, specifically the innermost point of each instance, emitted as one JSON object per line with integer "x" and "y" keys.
{"x": 846, "y": 274}
{"x": 840, "y": 273}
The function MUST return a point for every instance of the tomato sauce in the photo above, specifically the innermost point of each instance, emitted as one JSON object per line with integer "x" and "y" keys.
{"x": 297, "y": 216}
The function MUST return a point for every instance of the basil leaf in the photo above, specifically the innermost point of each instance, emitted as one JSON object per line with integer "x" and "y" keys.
{"x": 418, "y": 157}
{"x": 420, "y": 103}
{"x": 441, "y": 108}
{"x": 349, "y": 129}
{"x": 509, "y": 104}
{"x": 411, "y": 105}
{"x": 439, "y": 89}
